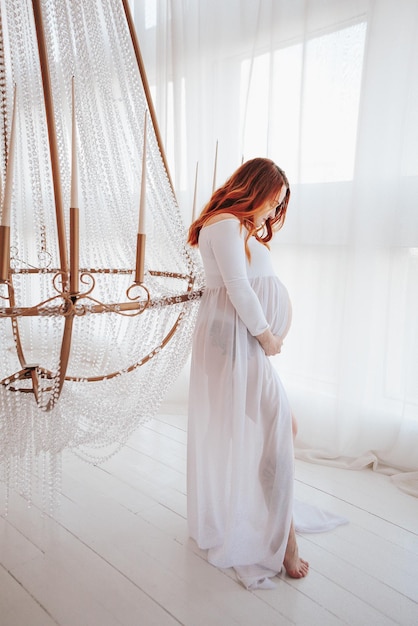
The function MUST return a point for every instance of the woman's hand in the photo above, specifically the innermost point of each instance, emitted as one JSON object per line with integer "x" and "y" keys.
{"x": 271, "y": 344}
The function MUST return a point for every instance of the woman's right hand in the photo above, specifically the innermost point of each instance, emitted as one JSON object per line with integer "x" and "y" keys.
{"x": 271, "y": 344}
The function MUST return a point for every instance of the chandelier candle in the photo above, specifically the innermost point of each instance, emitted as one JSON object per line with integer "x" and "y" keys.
{"x": 195, "y": 193}
{"x": 140, "y": 242}
{"x": 215, "y": 167}
{"x": 7, "y": 201}
{"x": 74, "y": 209}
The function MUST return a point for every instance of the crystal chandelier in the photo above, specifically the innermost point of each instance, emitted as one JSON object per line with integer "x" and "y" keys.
{"x": 98, "y": 291}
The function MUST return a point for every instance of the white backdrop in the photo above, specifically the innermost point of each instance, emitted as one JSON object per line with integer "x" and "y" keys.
{"x": 328, "y": 89}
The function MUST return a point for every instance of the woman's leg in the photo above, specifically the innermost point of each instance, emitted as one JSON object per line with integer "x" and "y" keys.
{"x": 293, "y": 564}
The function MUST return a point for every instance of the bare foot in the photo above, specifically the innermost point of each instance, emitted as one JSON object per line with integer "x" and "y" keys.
{"x": 293, "y": 564}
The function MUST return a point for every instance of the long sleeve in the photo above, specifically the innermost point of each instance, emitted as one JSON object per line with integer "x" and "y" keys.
{"x": 227, "y": 244}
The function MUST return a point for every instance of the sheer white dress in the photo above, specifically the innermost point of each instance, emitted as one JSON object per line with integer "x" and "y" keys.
{"x": 240, "y": 446}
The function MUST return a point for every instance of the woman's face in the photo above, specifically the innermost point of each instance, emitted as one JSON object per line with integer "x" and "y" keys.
{"x": 270, "y": 207}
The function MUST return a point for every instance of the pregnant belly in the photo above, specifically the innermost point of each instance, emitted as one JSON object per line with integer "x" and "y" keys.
{"x": 276, "y": 304}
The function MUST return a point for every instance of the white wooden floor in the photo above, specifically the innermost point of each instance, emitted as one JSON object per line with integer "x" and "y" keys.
{"x": 116, "y": 551}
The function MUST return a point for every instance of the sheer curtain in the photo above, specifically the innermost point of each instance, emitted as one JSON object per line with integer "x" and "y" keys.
{"x": 328, "y": 89}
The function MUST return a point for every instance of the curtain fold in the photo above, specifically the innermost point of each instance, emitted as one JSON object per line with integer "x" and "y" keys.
{"x": 328, "y": 90}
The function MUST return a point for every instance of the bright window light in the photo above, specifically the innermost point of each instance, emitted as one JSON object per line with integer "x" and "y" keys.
{"x": 310, "y": 92}
{"x": 150, "y": 13}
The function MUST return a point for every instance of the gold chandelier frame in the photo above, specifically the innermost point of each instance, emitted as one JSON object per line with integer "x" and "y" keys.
{"x": 71, "y": 300}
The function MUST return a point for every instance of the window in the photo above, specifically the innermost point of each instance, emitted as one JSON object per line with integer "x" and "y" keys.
{"x": 311, "y": 94}
{"x": 150, "y": 13}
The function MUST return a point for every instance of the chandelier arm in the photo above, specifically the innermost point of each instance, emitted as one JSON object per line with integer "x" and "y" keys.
{"x": 134, "y": 366}
{"x": 15, "y": 327}
{"x": 118, "y": 308}
{"x": 55, "y": 270}
{"x": 147, "y": 91}
{"x": 63, "y": 362}
{"x": 3, "y": 103}
{"x": 52, "y": 133}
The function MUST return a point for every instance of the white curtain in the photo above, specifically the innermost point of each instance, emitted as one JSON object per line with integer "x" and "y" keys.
{"x": 329, "y": 90}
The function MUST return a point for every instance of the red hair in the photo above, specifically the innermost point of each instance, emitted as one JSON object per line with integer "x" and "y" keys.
{"x": 244, "y": 195}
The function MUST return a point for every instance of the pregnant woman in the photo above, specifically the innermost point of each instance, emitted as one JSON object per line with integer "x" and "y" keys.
{"x": 240, "y": 444}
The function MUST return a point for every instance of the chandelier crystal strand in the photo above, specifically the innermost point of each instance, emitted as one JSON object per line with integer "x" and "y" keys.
{"x": 3, "y": 108}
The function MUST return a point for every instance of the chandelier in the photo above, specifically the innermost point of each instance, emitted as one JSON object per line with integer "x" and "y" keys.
{"x": 98, "y": 290}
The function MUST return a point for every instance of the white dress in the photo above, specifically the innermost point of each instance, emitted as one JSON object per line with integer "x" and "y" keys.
{"x": 240, "y": 448}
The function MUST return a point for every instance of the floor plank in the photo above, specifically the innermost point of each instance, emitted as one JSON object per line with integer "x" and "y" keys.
{"x": 17, "y": 606}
